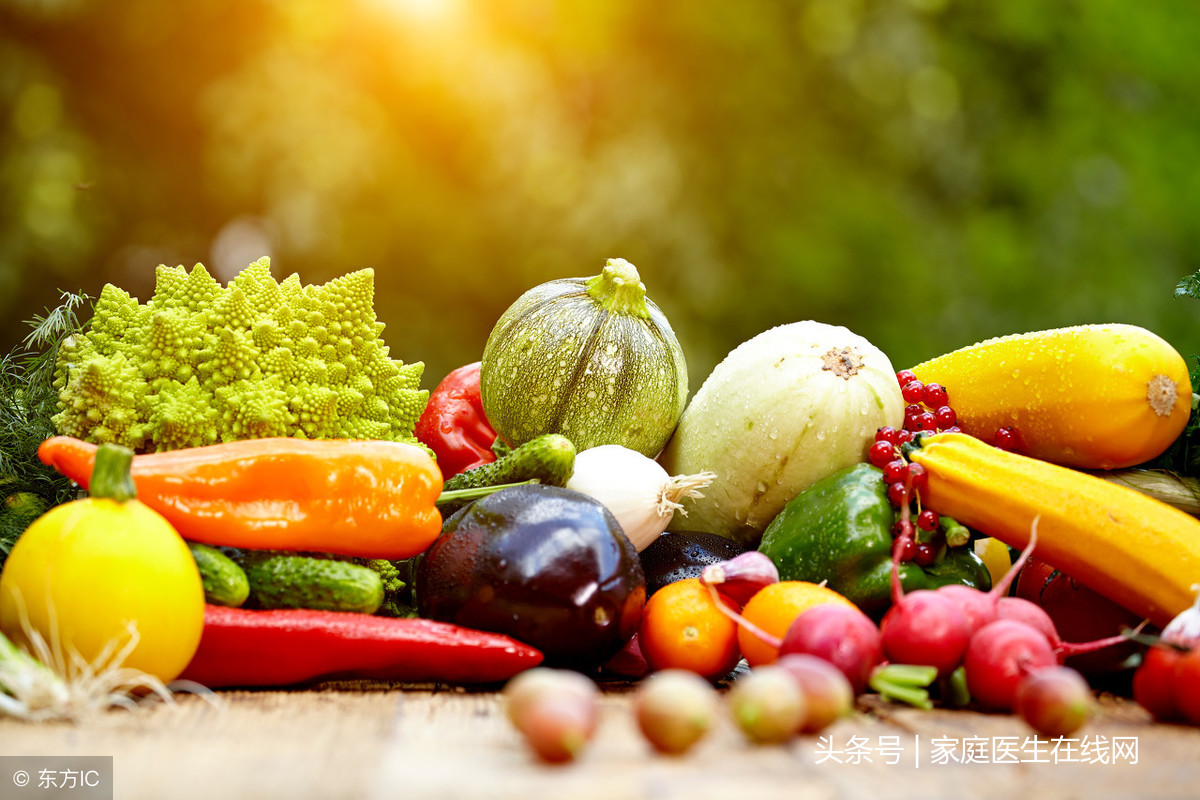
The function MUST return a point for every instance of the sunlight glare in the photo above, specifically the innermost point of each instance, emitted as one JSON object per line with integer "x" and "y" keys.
{"x": 422, "y": 10}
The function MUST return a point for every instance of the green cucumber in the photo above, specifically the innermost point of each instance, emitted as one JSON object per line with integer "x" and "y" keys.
{"x": 225, "y": 583}
{"x": 287, "y": 580}
{"x": 548, "y": 459}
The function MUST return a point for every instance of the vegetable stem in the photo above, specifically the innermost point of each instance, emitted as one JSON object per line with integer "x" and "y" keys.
{"x": 619, "y": 289}
{"x": 463, "y": 495}
{"x": 111, "y": 476}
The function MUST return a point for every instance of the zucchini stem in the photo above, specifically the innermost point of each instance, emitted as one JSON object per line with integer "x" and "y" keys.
{"x": 619, "y": 289}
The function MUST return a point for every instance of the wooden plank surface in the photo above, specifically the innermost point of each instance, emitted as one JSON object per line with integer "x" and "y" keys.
{"x": 376, "y": 740}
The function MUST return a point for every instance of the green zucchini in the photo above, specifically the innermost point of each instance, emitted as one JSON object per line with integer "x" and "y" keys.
{"x": 548, "y": 459}
{"x": 591, "y": 358}
{"x": 288, "y": 580}
{"x": 225, "y": 583}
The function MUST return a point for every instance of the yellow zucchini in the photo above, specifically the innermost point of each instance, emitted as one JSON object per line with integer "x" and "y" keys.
{"x": 1090, "y": 396}
{"x": 1140, "y": 553}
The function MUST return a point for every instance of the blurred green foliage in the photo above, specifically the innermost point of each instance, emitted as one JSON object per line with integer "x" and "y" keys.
{"x": 926, "y": 172}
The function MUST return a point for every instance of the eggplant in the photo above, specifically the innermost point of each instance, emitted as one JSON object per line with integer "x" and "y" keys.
{"x": 684, "y": 554}
{"x": 547, "y": 566}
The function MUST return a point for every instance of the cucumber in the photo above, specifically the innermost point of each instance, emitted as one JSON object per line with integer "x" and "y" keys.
{"x": 287, "y": 580}
{"x": 225, "y": 583}
{"x": 548, "y": 459}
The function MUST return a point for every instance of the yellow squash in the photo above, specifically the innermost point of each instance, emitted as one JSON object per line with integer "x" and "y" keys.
{"x": 1090, "y": 396}
{"x": 87, "y": 571}
{"x": 1140, "y": 553}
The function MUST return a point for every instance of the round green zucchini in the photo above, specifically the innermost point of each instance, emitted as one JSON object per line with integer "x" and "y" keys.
{"x": 592, "y": 359}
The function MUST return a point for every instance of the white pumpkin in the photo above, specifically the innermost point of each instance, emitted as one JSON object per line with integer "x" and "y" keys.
{"x": 783, "y": 410}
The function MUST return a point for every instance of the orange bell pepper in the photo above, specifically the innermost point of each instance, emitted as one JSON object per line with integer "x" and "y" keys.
{"x": 373, "y": 499}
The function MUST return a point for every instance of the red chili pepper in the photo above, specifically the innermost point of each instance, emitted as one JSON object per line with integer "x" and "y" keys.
{"x": 282, "y": 647}
{"x": 453, "y": 424}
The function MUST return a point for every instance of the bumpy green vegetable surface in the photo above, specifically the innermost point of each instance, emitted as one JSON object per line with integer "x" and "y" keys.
{"x": 200, "y": 363}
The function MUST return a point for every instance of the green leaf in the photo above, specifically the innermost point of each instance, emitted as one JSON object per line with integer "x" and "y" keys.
{"x": 1189, "y": 286}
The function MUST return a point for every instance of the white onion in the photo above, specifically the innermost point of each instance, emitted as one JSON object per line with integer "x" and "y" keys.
{"x": 635, "y": 488}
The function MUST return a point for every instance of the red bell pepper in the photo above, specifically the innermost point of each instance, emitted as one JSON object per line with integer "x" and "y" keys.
{"x": 453, "y": 424}
{"x": 283, "y": 647}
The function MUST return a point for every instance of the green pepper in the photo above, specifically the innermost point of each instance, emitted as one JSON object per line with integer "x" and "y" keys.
{"x": 839, "y": 530}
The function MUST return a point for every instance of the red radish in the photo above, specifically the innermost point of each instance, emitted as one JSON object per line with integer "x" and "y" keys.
{"x": 767, "y": 704}
{"x": 978, "y": 607}
{"x": 526, "y": 690}
{"x": 924, "y": 627}
{"x": 1055, "y": 701}
{"x": 934, "y": 627}
{"x": 1036, "y": 617}
{"x": 999, "y": 655}
{"x": 842, "y": 635}
{"x": 558, "y": 725}
{"x": 674, "y": 709}
{"x": 828, "y": 693}
{"x": 1031, "y": 614}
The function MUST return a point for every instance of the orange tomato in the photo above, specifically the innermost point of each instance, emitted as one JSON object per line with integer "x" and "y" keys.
{"x": 773, "y": 608}
{"x": 682, "y": 628}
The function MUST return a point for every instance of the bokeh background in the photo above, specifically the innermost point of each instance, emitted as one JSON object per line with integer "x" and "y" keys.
{"x": 926, "y": 172}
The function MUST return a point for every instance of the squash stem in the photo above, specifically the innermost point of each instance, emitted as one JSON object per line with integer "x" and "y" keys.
{"x": 619, "y": 289}
{"x": 111, "y": 476}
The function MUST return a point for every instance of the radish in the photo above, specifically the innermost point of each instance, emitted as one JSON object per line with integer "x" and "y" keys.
{"x": 921, "y": 627}
{"x": 934, "y": 627}
{"x": 927, "y": 628}
{"x": 768, "y": 704}
{"x": 1031, "y": 614}
{"x": 979, "y": 607}
{"x": 674, "y": 709}
{"x": 1055, "y": 701}
{"x": 1036, "y": 617}
{"x": 828, "y": 693}
{"x": 842, "y": 635}
{"x": 999, "y": 655}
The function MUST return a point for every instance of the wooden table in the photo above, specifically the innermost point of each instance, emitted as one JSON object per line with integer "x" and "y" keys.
{"x": 379, "y": 740}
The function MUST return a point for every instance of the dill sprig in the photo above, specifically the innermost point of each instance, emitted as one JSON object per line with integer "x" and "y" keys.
{"x": 28, "y": 400}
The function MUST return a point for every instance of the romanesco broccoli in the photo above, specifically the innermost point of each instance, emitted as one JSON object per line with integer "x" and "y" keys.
{"x": 200, "y": 363}
{"x": 397, "y": 594}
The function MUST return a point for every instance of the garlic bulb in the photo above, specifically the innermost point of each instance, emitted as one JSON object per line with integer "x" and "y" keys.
{"x": 635, "y": 488}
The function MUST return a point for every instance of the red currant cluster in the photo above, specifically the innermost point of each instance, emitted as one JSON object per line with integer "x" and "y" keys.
{"x": 928, "y": 409}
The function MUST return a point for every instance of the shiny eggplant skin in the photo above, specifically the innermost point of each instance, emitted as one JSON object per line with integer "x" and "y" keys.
{"x": 548, "y": 566}
{"x": 676, "y": 555}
